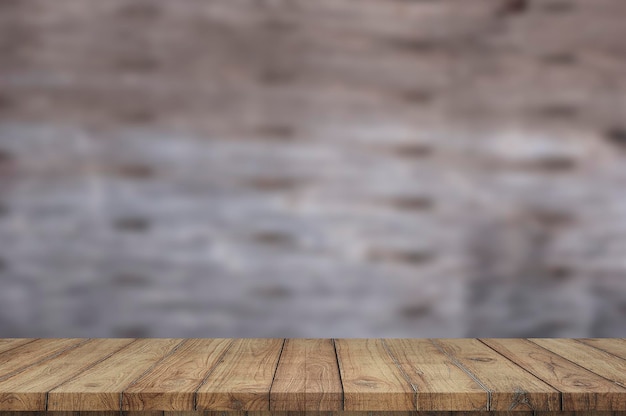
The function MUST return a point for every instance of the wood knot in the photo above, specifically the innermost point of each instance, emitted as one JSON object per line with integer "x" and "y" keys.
{"x": 366, "y": 383}
{"x": 236, "y": 404}
{"x": 481, "y": 359}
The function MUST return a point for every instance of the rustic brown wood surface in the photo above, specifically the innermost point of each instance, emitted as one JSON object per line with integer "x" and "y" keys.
{"x": 579, "y": 387}
{"x": 600, "y": 362}
{"x": 264, "y": 376}
{"x": 101, "y": 387}
{"x": 307, "y": 377}
{"x": 432, "y": 372}
{"x": 172, "y": 384}
{"x": 371, "y": 379}
{"x": 243, "y": 379}
{"x": 510, "y": 386}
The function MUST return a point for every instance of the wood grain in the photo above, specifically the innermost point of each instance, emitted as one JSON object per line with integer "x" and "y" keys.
{"x": 18, "y": 359}
{"x": 242, "y": 381}
{"x": 276, "y": 377}
{"x": 101, "y": 387}
{"x": 7, "y": 344}
{"x": 440, "y": 384}
{"x": 600, "y": 362}
{"x": 26, "y": 391}
{"x": 171, "y": 385}
{"x": 307, "y": 377}
{"x": 580, "y": 389}
{"x": 615, "y": 346}
{"x": 510, "y": 387}
{"x": 371, "y": 379}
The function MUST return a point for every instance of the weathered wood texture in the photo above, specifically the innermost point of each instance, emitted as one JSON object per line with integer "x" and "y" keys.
{"x": 290, "y": 413}
{"x": 313, "y": 375}
{"x": 307, "y": 377}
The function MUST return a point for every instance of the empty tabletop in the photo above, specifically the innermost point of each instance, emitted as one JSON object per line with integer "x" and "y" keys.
{"x": 303, "y": 375}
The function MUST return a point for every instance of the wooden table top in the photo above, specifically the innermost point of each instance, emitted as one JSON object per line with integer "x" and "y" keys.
{"x": 312, "y": 374}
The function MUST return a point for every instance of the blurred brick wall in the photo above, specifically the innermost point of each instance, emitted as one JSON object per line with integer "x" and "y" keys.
{"x": 312, "y": 168}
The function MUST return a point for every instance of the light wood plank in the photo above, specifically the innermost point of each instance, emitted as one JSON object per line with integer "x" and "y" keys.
{"x": 26, "y": 391}
{"x": 100, "y": 388}
{"x": 18, "y": 359}
{"x": 581, "y": 389}
{"x": 600, "y": 362}
{"x": 615, "y": 346}
{"x": 511, "y": 388}
{"x": 7, "y": 344}
{"x": 371, "y": 380}
{"x": 171, "y": 385}
{"x": 244, "y": 378}
{"x": 307, "y": 378}
{"x": 440, "y": 384}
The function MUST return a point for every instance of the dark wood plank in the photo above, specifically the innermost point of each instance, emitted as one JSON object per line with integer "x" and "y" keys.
{"x": 510, "y": 387}
{"x": 242, "y": 381}
{"x": 371, "y": 379}
{"x": 581, "y": 389}
{"x": 171, "y": 385}
{"x": 100, "y": 388}
{"x": 307, "y": 377}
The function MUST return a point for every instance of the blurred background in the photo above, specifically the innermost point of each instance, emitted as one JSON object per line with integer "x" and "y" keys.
{"x": 328, "y": 168}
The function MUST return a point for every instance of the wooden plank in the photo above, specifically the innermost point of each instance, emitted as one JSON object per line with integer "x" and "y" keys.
{"x": 600, "y": 362}
{"x": 18, "y": 359}
{"x": 60, "y": 413}
{"x": 371, "y": 380}
{"x": 171, "y": 385}
{"x": 485, "y": 413}
{"x": 587, "y": 413}
{"x": 581, "y": 389}
{"x": 101, "y": 387}
{"x": 200, "y": 413}
{"x": 101, "y": 413}
{"x": 440, "y": 383}
{"x": 307, "y": 377}
{"x": 7, "y": 344}
{"x": 296, "y": 413}
{"x": 244, "y": 378}
{"x": 26, "y": 391}
{"x": 615, "y": 346}
{"x": 510, "y": 387}
{"x": 207, "y": 413}
{"x": 11, "y": 413}
{"x": 130, "y": 413}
